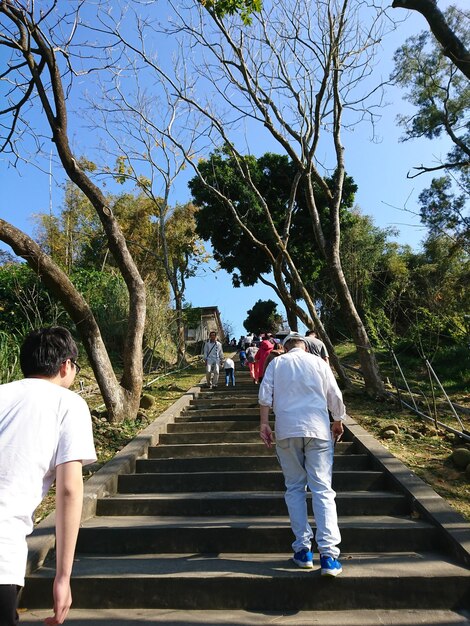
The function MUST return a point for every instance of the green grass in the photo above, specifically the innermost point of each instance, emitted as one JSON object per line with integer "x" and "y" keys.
{"x": 451, "y": 365}
{"x": 9, "y": 358}
{"x": 418, "y": 445}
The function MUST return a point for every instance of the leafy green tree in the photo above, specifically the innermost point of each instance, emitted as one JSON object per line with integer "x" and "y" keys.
{"x": 444, "y": 210}
{"x": 452, "y": 45}
{"x": 38, "y": 61}
{"x": 419, "y": 298}
{"x": 364, "y": 247}
{"x": 387, "y": 299}
{"x": 263, "y": 317}
{"x": 106, "y": 294}
{"x": 441, "y": 97}
{"x": 272, "y": 175}
{"x": 76, "y": 240}
{"x": 25, "y": 303}
{"x": 69, "y": 236}
{"x": 439, "y": 293}
{"x": 244, "y": 8}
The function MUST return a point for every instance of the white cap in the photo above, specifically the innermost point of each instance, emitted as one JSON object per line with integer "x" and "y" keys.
{"x": 293, "y": 336}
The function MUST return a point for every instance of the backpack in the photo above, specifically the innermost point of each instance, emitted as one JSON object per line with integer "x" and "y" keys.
{"x": 250, "y": 357}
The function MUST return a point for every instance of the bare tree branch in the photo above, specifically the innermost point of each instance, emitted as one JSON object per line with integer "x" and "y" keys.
{"x": 34, "y": 44}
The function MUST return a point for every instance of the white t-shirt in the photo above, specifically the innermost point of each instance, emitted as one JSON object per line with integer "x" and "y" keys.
{"x": 229, "y": 364}
{"x": 301, "y": 388}
{"x": 41, "y": 426}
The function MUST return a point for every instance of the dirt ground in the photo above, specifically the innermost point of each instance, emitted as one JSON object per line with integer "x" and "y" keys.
{"x": 421, "y": 446}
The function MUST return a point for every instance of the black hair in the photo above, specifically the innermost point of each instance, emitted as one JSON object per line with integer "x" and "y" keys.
{"x": 310, "y": 332}
{"x": 44, "y": 350}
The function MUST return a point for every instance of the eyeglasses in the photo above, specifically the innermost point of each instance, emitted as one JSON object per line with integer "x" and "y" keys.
{"x": 77, "y": 366}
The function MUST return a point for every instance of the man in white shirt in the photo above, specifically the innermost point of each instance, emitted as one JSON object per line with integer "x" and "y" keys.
{"x": 301, "y": 389}
{"x": 213, "y": 357}
{"x": 45, "y": 435}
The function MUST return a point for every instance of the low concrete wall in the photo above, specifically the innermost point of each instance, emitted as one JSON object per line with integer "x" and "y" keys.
{"x": 105, "y": 481}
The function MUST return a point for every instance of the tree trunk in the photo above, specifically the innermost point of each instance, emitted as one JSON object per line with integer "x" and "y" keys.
{"x": 47, "y": 80}
{"x": 120, "y": 403}
{"x": 132, "y": 375}
{"x": 317, "y": 323}
{"x": 291, "y": 318}
{"x": 181, "y": 347}
{"x": 291, "y": 313}
{"x": 369, "y": 366}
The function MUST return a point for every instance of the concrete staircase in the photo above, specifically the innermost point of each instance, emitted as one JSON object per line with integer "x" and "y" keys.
{"x": 202, "y": 524}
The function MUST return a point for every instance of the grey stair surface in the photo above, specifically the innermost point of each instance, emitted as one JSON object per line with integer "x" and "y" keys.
{"x": 175, "y": 617}
{"x": 202, "y": 525}
{"x": 252, "y": 581}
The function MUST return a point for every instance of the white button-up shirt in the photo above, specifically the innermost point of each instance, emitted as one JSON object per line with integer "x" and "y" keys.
{"x": 213, "y": 351}
{"x": 300, "y": 387}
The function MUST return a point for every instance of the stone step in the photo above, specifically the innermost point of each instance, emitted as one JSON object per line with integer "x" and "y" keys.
{"x": 203, "y": 436}
{"x": 223, "y": 426}
{"x": 237, "y": 463}
{"x": 210, "y": 403}
{"x": 264, "y": 582}
{"x": 230, "y": 449}
{"x": 241, "y": 436}
{"x": 242, "y": 382}
{"x": 234, "y": 412}
{"x": 174, "y": 539}
{"x": 137, "y": 534}
{"x": 250, "y": 503}
{"x": 225, "y": 393}
{"x": 214, "y": 401}
{"x": 239, "y": 481}
{"x": 195, "y": 416}
{"x": 175, "y": 617}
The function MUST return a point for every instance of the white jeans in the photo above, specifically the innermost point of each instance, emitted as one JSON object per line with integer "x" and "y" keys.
{"x": 309, "y": 462}
{"x": 212, "y": 371}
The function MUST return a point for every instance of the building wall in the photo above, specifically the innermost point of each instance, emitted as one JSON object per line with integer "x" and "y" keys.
{"x": 210, "y": 320}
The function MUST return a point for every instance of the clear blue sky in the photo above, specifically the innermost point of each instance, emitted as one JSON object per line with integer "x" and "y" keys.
{"x": 378, "y": 168}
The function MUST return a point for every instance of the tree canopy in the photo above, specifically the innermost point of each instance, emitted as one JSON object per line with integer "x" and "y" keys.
{"x": 452, "y": 44}
{"x": 273, "y": 175}
{"x": 263, "y": 317}
{"x": 440, "y": 95}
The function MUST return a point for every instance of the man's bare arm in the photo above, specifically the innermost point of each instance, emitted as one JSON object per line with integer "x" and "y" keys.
{"x": 69, "y": 501}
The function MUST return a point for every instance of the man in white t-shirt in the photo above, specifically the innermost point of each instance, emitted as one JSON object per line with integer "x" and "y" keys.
{"x": 301, "y": 389}
{"x": 45, "y": 435}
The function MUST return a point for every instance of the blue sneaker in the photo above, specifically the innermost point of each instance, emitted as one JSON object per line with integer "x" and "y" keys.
{"x": 330, "y": 566}
{"x": 303, "y": 559}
